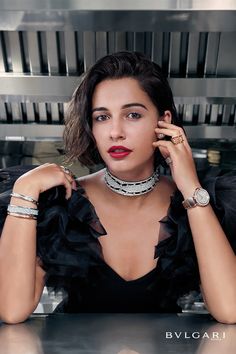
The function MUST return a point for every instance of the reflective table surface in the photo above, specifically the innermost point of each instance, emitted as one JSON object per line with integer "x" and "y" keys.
{"x": 118, "y": 334}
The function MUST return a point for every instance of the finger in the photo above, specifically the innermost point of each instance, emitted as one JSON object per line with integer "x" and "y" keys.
{"x": 166, "y": 131}
{"x": 68, "y": 186}
{"x": 70, "y": 176}
{"x": 67, "y": 171}
{"x": 165, "y": 144}
{"x": 174, "y": 127}
{"x": 67, "y": 183}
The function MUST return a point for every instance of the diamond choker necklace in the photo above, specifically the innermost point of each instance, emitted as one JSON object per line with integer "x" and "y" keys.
{"x": 131, "y": 188}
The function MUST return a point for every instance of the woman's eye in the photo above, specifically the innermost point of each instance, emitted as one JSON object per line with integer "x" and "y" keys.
{"x": 101, "y": 118}
{"x": 134, "y": 115}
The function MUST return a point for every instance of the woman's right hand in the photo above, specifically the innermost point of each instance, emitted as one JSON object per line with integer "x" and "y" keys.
{"x": 43, "y": 178}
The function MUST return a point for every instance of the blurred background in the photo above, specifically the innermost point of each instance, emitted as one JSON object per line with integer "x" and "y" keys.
{"x": 47, "y": 45}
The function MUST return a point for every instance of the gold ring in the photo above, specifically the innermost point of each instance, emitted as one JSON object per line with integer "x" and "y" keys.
{"x": 177, "y": 139}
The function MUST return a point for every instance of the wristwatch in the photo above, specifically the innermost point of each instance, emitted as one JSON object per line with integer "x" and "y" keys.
{"x": 200, "y": 197}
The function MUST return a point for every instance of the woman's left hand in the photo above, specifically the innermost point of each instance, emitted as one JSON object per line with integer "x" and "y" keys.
{"x": 181, "y": 164}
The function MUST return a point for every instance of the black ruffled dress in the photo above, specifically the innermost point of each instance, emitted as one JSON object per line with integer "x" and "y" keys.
{"x": 68, "y": 246}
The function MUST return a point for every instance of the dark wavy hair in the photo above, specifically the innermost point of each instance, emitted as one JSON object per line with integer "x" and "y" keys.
{"x": 78, "y": 138}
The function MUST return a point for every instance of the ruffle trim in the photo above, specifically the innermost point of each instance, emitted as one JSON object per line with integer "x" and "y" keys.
{"x": 68, "y": 231}
{"x": 178, "y": 261}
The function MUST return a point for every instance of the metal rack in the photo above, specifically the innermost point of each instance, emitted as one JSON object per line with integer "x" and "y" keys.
{"x": 46, "y": 46}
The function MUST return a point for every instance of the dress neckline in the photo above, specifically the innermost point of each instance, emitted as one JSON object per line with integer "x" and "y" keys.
{"x": 111, "y": 272}
{"x": 162, "y": 237}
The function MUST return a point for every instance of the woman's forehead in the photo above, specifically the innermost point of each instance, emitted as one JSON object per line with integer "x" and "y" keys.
{"x": 122, "y": 91}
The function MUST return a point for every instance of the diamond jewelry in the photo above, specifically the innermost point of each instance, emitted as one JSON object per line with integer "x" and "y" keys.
{"x": 160, "y": 135}
{"x": 131, "y": 188}
{"x": 22, "y": 210}
{"x": 200, "y": 197}
{"x": 168, "y": 160}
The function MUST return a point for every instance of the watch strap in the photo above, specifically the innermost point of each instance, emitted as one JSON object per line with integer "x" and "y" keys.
{"x": 189, "y": 203}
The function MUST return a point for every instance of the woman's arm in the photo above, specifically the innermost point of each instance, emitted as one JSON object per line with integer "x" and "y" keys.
{"x": 216, "y": 261}
{"x": 21, "y": 277}
{"x": 216, "y": 258}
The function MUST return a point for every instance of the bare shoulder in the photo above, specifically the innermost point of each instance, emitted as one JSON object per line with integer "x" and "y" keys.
{"x": 91, "y": 181}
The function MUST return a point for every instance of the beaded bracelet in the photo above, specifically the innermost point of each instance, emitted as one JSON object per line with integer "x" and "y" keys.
{"x": 24, "y": 197}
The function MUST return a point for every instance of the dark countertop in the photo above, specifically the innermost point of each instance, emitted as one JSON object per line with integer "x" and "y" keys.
{"x": 118, "y": 334}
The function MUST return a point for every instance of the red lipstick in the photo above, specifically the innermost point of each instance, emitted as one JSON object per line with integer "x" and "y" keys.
{"x": 119, "y": 152}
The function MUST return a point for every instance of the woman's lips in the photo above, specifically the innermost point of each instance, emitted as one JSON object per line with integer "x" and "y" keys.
{"x": 119, "y": 152}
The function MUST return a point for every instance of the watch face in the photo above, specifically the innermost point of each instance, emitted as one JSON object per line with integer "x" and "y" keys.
{"x": 202, "y": 197}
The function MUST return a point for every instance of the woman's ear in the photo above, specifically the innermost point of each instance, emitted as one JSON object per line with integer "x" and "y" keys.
{"x": 167, "y": 116}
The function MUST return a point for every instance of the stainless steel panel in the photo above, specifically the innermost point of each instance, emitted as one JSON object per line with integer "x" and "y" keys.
{"x": 3, "y": 115}
{"x": 37, "y": 88}
{"x": 227, "y": 51}
{"x": 70, "y": 52}
{"x": 116, "y": 16}
{"x": 80, "y": 52}
{"x": 157, "y": 45}
{"x": 194, "y": 5}
{"x": 43, "y": 52}
{"x": 52, "y": 53}
{"x": 2, "y": 65}
{"x": 15, "y": 52}
{"x": 54, "y": 112}
{"x": 226, "y": 114}
{"x": 188, "y": 113}
{"x": 111, "y": 42}
{"x": 204, "y": 89}
{"x": 212, "y": 54}
{"x": 89, "y": 40}
{"x": 120, "y": 41}
{"x": 214, "y": 113}
{"x": 60, "y": 88}
{"x": 192, "y": 59}
{"x": 101, "y": 44}
{"x": 51, "y": 132}
{"x": 31, "y": 132}
{"x": 202, "y": 114}
{"x": 174, "y": 62}
{"x": 232, "y": 118}
{"x": 139, "y": 42}
{"x": 33, "y": 50}
{"x": 16, "y": 112}
{"x": 42, "y": 112}
{"x": 30, "y": 112}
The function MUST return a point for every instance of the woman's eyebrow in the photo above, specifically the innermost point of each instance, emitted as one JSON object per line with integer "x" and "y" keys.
{"x": 136, "y": 104}
{"x": 99, "y": 109}
{"x": 128, "y": 105}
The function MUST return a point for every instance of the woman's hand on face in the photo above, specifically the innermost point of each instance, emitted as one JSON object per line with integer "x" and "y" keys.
{"x": 43, "y": 178}
{"x": 182, "y": 165}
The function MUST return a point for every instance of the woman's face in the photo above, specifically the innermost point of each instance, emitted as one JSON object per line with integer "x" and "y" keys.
{"x": 123, "y": 123}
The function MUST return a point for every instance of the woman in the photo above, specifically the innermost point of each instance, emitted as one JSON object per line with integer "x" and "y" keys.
{"x": 123, "y": 239}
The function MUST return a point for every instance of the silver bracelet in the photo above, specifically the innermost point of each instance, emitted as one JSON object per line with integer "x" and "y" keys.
{"x": 17, "y": 209}
{"x": 24, "y": 197}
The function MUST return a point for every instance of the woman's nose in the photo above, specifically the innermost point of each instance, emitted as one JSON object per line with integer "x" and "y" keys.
{"x": 117, "y": 130}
